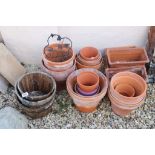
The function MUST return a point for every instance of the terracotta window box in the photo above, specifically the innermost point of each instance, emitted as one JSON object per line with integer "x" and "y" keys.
{"x": 126, "y": 57}
{"x": 140, "y": 70}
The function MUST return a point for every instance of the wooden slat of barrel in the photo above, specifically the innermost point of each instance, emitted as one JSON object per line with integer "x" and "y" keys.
{"x": 10, "y": 67}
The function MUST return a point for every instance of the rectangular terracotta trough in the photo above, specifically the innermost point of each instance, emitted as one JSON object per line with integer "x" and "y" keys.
{"x": 140, "y": 70}
{"x": 126, "y": 57}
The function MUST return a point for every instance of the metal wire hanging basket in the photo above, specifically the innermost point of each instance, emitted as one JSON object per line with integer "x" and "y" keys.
{"x": 60, "y": 51}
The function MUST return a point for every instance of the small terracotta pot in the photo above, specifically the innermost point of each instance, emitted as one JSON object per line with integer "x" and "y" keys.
{"x": 80, "y": 66}
{"x": 86, "y": 102}
{"x": 88, "y": 81}
{"x": 125, "y": 90}
{"x": 89, "y": 53}
{"x": 59, "y": 75}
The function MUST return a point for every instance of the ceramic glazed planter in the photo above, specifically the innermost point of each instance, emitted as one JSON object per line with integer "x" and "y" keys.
{"x": 140, "y": 70}
{"x": 89, "y": 53}
{"x": 121, "y": 102}
{"x": 86, "y": 103}
{"x": 126, "y": 57}
{"x": 88, "y": 81}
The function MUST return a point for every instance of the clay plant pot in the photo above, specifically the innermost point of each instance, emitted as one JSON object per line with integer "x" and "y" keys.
{"x": 88, "y": 81}
{"x": 126, "y": 57}
{"x": 86, "y": 103}
{"x": 123, "y": 101}
{"x": 59, "y": 75}
{"x": 59, "y": 58}
{"x": 89, "y": 62}
{"x": 140, "y": 70}
{"x": 80, "y": 66}
{"x": 89, "y": 53}
{"x": 38, "y": 85}
{"x": 125, "y": 90}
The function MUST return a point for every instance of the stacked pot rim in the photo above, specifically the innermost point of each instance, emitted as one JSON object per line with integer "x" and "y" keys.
{"x": 59, "y": 63}
{"x": 89, "y": 57}
{"x": 35, "y": 93}
{"x": 124, "y": 102}
{"x": 86, "y": 101}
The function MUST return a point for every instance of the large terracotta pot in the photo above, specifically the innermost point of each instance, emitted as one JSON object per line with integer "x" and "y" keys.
{"x": 123, "y": 101}
{"x": 86, "y": 103}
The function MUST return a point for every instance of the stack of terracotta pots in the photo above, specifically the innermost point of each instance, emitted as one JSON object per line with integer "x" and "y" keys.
{"x": 126, "y": 59}
{"x": 127, "y": 91}
{"x": 87, "y": 87}
{"x": 35, "y": 93}
{"x": 89, "y": 57}
{"x": 59, "y": 60}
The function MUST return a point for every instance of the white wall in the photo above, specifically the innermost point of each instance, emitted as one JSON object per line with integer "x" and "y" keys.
{"x": 1, "y": 38}
{"x": 27, "y": 43}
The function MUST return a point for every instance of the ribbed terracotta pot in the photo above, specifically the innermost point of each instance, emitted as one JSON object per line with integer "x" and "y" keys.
{"x": 88, "y": 81}
{"x": 120, "y": 101}
{"x": 89, "y": 53}
{"x": 86, "y": 103}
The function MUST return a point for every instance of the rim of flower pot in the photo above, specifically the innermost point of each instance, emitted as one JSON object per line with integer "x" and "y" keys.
{"x": 125, "y": 105}
{"x": 88, "y": 81}
{"x": 100, "y": 94}
{"x": 89, "y": 62}
{"x": 50, "y": 63}
{"x": 140, "y": 62}
{"x": 127, "y": 89}
{"x": 132, "y": 76}
{"x": 86, "y": 52}
{"x": 81, "y": 66}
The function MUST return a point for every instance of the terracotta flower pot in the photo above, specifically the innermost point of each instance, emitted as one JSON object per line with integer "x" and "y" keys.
{"x": 88, "y": 81}
{"x": 89, "y": 53}
{"x": 80, "y": 66}
{"x": 127, "y": 57}
{"x": 89, "y": 62}
{"x": 125, "y": 90}
{"x": 123, "y": 101}
{"x": 86, "y": 103}
{"x": 59, "y": 75}
{"x": 140, "y": 70}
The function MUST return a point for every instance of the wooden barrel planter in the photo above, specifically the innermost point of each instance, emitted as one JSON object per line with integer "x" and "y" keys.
{"x": 40, "y": 97}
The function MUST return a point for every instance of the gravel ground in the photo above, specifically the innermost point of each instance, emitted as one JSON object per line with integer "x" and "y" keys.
{"x": 64, "y": 115}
